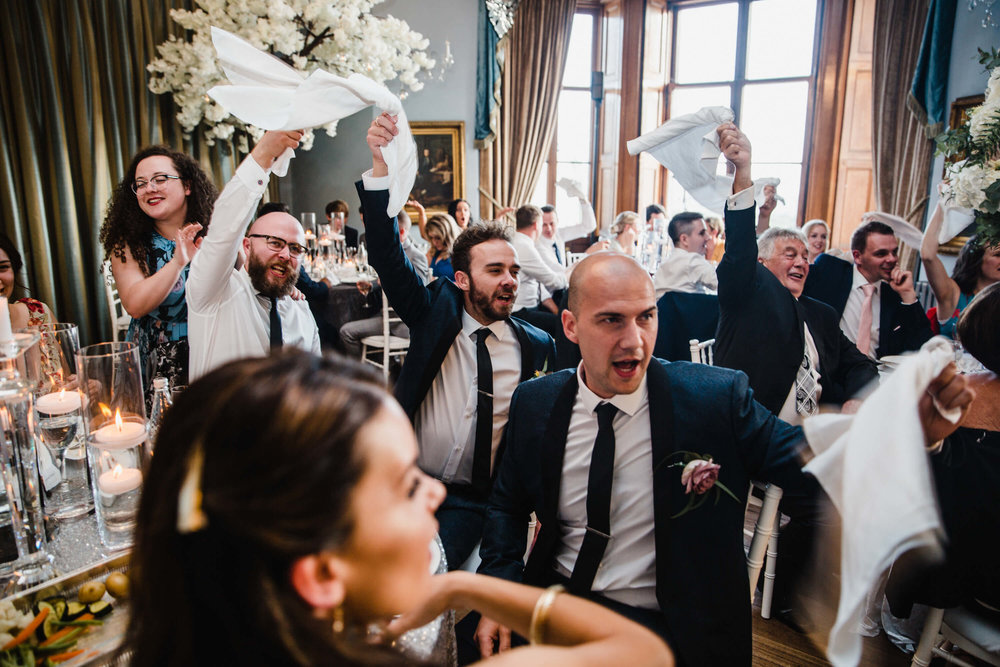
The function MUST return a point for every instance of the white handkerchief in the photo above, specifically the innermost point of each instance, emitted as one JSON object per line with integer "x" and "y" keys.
{"x": 573, "y": 188}
{"x": 876, "y": 473}
{"x": 906, "y": 232}
{"x": 271, "y": 95}
{"x": 956, "y": 218}
{"x": 689, "y": 147}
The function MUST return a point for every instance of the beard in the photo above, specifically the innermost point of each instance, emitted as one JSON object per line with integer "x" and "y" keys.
{"x": 485, "y": 302}
{"x": 268, "y": 285}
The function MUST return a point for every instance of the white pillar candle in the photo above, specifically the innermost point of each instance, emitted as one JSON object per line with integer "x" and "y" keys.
{"x": 58, "y": 402}
{"x": 121, "y": 435}
{"x": 6, "y": 332}
{"x": 119, "y": 480}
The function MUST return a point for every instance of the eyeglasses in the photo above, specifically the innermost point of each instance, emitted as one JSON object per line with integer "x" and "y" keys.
{"x": 277, "y": 245}
{"x": 159, "y": 181}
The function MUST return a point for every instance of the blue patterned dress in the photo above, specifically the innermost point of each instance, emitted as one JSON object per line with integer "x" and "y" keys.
{"x": 162, "y": 333}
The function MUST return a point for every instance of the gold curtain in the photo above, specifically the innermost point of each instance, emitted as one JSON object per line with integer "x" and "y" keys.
{"x": 534, "y": 54}
{"x": 75, "y": 110}
{"x": 902, "y": 153}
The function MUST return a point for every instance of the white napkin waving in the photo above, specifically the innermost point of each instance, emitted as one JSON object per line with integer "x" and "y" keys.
{"x": 906, "y": 232}
{"x": 575, "y": 189}
{"x": 956, "y": 218}
{"x": 271, "y": 95}
{"x": 876, "y": 473}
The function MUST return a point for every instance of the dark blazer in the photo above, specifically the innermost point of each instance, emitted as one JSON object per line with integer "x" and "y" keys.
{"x": 350, "y": 237}
{"x": 761, "y": 327}
{"x": 701, "y": 574}
{"x": 432, "y": 312}
{"x": 900, "y": 328}
{"x": 683, "y": 316}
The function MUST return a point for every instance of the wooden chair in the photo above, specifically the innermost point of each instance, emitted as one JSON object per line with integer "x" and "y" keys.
{"x": 963, "y": 628}
{"x": 390, "y": 346}
{"x": 120, "y": 320}
{"x": 764, "y": 542}
{"x": 703, "y": 352}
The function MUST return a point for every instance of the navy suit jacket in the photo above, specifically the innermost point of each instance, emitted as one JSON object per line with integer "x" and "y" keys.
{"x": 901, "y": 328}
{"x": 701, "y": 573}
{"x": 761, "y": 328}
{"x": 432, "y": 312}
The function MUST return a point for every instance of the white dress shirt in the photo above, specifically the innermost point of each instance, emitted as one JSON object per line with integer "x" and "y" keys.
{"x": 227, "y": 318}
{"x": 627, "y": 572}
{"x": 684, "y": 271}
{"x": 446, "y": 421}
{"x": 851, "y": 318}
{"x": 535, "y": 273}
{"x": 788, "y": 413}
{"x": 546, "y": 250}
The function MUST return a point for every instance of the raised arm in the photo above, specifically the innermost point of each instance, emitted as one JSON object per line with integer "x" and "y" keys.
{"x": 233, "y": 210}
{"x": 945, "y": 289}
{"x": 141, "y": 294}
{"x": 764, "y": 215}
{"x": 421, "y": 216}
{"x": 737, "y": 270}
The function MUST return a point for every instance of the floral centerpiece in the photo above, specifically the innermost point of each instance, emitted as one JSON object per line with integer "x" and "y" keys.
{"x": 340, "y": 37}
{"x": 974, "y": 182}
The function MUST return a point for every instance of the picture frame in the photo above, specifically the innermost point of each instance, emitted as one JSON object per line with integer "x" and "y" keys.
{"x": 440, "y": 163}
{"x": 958, "y": 117}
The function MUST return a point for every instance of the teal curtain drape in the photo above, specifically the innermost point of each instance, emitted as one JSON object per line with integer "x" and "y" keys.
{"x": 75, "y": 109}
{"x": 928, "y": 98}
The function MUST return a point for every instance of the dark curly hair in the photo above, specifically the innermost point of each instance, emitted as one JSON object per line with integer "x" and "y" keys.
{"x": 16, "y": 263}
{"x": 125, "y": 223}
{"x": 969, "y": 265}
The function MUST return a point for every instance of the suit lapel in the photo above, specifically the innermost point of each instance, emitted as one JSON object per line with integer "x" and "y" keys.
{"x": 527, "y": 350}
{"x": 661, "y": 427}
{"x": 886, "y": 316}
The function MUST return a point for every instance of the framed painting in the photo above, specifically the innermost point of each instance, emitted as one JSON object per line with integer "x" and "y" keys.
{"x": 958, "y": 117}
{"x": 440, "y": 163}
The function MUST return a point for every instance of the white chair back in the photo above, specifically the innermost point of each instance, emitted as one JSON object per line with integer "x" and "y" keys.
{"x": 702, "y": 352}
{"x": 120, "y": 320}
{"x": 574, "y": 257}
{"x": 388, "y": 345}
{"x": 765, "y": 541}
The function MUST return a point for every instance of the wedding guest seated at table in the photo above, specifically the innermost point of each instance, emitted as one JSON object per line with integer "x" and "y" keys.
{"x": 156, "y": 219}
{"x": 790, "y": 347}
{"x": 339, "y": 223}
{"x": 654, "y": 214}
{"x": 538, "y": 281}
{"x": 24, "y": 310}
{"x": 352, "y": 333}
{"x": 625, "y": 233}
{"x": 967, "y": 480}
{"x": 466, "y": 355}
{"x": 284, "y": 514}
{"x": 685, "y": 269}
{"x": 247, "y": 311}
{"x": 715, "y": 247}
{"x": 977, "y": 267}
{"x": 817, "y": 236}
{"x": 873, "y": 296}
{"x": 441, "y": 232}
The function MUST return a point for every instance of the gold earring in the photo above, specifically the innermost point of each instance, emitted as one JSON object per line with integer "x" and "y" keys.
{"x": 338, "y": 620}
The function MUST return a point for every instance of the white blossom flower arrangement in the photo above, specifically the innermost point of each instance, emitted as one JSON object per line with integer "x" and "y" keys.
{"x": 974, "y": 182}
{"x": 341, "y": 37}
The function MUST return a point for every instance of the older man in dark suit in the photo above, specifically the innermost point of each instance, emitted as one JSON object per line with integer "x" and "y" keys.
{"x": 466, "y": 355}
{"x": 874, "y": 297}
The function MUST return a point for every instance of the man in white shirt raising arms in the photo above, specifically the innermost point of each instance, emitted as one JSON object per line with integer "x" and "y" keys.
{"x": 539, "y": 280}
{"x": 239, "y": 309}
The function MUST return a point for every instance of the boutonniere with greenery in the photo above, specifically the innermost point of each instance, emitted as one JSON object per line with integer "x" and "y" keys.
{"x": 699, "y": 476}
{"x": 544, "y": 370}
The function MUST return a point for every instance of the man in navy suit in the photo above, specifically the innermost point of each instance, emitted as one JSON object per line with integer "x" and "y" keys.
{"x": 598, "y": 453}
{"x": 873, "y": 291}
{"x": 466, "y": 355}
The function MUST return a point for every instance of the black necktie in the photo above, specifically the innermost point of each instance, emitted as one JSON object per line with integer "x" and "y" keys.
{"x": 484, "y": 416}
{"x": 275, "y": 325}
{"x": 555, "y": 246}
{"x": 602, "y": 471}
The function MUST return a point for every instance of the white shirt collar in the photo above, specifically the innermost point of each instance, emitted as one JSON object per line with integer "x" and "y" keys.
{"x": 627, "y": 403}
{"x": 471, "y": 326}
{"x": 859, "y": 280}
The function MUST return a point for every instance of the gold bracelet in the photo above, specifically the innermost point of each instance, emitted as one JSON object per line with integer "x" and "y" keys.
{"x": 540, "y": 614}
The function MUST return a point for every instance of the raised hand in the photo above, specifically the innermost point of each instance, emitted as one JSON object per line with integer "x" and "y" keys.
{"x": 952, "y": 391}
{"x": 380, "y": 133}
{"x": 188, "y": 243}
{"x": 736, "y": 147}
{"x": 273, "y": 144}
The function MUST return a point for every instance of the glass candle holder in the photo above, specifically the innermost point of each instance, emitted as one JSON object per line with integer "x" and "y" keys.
{"x": 114, "y": 415}
{"x": 23, "y": 541}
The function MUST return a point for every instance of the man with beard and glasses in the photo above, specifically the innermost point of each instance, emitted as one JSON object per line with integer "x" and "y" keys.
{"x": 238, "y": 310}
{"x": 457, "y": 330}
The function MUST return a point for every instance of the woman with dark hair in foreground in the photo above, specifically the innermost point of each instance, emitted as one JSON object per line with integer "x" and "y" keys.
{"x": 284, "y": 513}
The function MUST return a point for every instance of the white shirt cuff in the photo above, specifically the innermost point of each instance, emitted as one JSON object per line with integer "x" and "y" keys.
{"x": 374, "y": 183}
{"x": 741, "y": 200}
{"x": 253, "y": 176}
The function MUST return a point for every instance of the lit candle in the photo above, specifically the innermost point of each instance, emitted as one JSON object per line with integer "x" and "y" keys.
{"x": 309, "y": 234}
{"x": 120, "y": 434}
{"x": 58, "y": 403}
{"x": 6, "y": 333}
{"x": 119, "y": 480}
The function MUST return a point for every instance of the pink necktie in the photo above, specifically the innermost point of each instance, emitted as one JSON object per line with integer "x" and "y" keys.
{"x": 864, "y": 342}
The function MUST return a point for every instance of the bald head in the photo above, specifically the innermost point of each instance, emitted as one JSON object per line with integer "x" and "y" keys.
{"x": 601, "y": 269}
{"x": 279, "y": 224}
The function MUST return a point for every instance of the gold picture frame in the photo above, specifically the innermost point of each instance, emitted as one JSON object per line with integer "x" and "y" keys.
{"x": 958, "y": 117}
{"x": 440, "y": 163}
